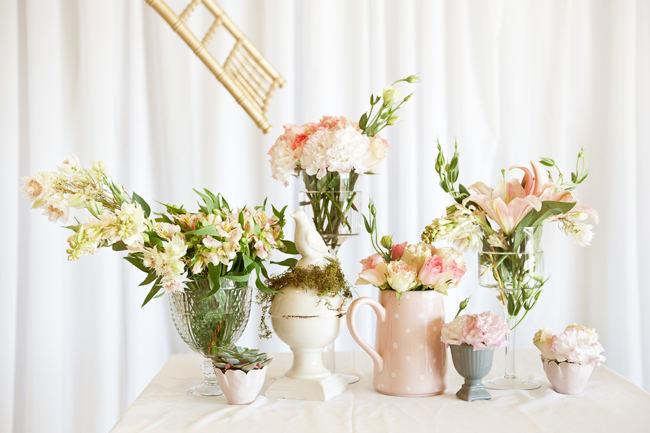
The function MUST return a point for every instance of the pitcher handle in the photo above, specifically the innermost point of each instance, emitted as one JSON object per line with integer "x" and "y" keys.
{"x": 381, "y": 316}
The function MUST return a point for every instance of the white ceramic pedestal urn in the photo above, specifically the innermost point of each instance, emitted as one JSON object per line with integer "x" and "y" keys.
{"x": 307, "y": 323}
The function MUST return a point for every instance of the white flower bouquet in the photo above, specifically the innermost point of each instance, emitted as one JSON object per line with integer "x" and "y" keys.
{"x": 331, "y": 154}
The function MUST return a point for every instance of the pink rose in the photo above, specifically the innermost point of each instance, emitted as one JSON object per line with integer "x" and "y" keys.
{"x": 431, "y": 271}
{"x": 397, "y": 250}
{"x": 373, "y": 272}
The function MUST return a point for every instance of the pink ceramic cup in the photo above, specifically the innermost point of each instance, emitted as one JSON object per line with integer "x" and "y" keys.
{"x": 567, "y": 377}
{"x": 409, "y": 359}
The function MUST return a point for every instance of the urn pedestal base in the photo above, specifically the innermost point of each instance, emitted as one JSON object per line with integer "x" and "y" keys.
{"x": 307, "y": 389}
{"x": 473, "y": 391}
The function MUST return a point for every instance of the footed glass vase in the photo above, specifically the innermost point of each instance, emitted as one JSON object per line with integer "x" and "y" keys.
{"x": 206, "y": 324}
{"x": 515, "y": 275}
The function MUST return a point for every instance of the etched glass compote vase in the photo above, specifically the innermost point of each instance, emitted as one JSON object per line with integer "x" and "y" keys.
{"x": 516, "y": 277}
{"x": 208, "y": 323}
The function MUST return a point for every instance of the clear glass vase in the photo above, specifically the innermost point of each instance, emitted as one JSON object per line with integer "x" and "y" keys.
{"x": 333, "y": 204}
{"x": 206, "y": 324}
{"x": 516, "y": 275}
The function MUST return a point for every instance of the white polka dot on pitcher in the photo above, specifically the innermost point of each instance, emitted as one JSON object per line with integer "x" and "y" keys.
{"x": 421, "y": 377}
{"x": 408, "y": 296}
{"x": 408, "y": 330}
{"x": 393, "y": 374}
{"x": 408, "y": 388}
{"x": 421, "y": 346}
{"x": 396, "y": 316}
{"x": 394, "y": 345}
{"x": 408, "y": 358}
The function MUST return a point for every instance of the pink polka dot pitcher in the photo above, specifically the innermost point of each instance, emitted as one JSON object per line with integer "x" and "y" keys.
{"x": 409, "y": 358}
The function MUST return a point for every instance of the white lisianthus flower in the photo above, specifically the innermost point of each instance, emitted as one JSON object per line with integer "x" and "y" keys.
{"x": 401, "y": 276}
{"x": 377, "y": 150}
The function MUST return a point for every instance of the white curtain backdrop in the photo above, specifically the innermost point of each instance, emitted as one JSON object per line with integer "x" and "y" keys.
{"x": 109, "y": 80}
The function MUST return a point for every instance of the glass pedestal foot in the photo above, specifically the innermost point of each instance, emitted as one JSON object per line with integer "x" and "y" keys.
{"x": 512, "y": 383}
{"x": 205, "y": 389}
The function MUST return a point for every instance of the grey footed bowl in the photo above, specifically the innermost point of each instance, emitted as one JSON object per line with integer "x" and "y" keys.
{"x": 473, "y": 365}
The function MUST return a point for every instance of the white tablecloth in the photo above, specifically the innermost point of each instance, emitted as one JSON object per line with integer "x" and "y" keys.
{"x": 609, "y": 404}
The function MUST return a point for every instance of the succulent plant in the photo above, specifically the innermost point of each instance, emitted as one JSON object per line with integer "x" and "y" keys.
{"x": 239, "y": 358}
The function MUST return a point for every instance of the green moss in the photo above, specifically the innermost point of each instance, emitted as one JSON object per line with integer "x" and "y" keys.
{"x": 326, "y": 281}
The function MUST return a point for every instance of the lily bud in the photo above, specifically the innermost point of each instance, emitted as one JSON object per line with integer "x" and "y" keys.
{"x": 386, "y": 242}
{"x": 412, "y": 79}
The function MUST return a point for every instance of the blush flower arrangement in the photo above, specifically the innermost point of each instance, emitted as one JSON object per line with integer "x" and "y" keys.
{"x": 504, "y": 224}
{"x": 331, "y": 154}
{"x": 576, "y": 344}
{"x": 403, "y": 267}
{"x": 176, "y": 248}
{"x": 481, "y": 331}
{"x": 569, "y": 358}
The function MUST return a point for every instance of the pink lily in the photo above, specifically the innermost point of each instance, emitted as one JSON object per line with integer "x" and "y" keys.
{"x": 505, "y": 210}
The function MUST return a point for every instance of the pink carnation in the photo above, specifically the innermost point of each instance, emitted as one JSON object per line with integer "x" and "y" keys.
{"x": 482, "y": 331}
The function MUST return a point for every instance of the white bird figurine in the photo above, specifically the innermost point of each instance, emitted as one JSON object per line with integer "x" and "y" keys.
{"x": 309, "y": 242}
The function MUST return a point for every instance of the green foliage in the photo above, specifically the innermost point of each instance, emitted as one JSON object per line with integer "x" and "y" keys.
{"x": 577, "y": 177}
{"x": 383, "y": 246}
{"x": 448, "y": 173}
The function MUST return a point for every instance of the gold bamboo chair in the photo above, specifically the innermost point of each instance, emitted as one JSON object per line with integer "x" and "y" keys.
{"x": 247, "y": 75}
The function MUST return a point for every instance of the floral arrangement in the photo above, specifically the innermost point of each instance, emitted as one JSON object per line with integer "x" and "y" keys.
{"x": 402, "y": 267}
{"x": 504, "y": 223}
{"x": 481, "y": 331}
{"x": 176, "y": 248}
{"x": 577, "y": 344}
{"x": 331, "y": 154}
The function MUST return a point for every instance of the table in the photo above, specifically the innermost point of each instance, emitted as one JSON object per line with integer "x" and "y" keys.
{"x": 609, "y": 404}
